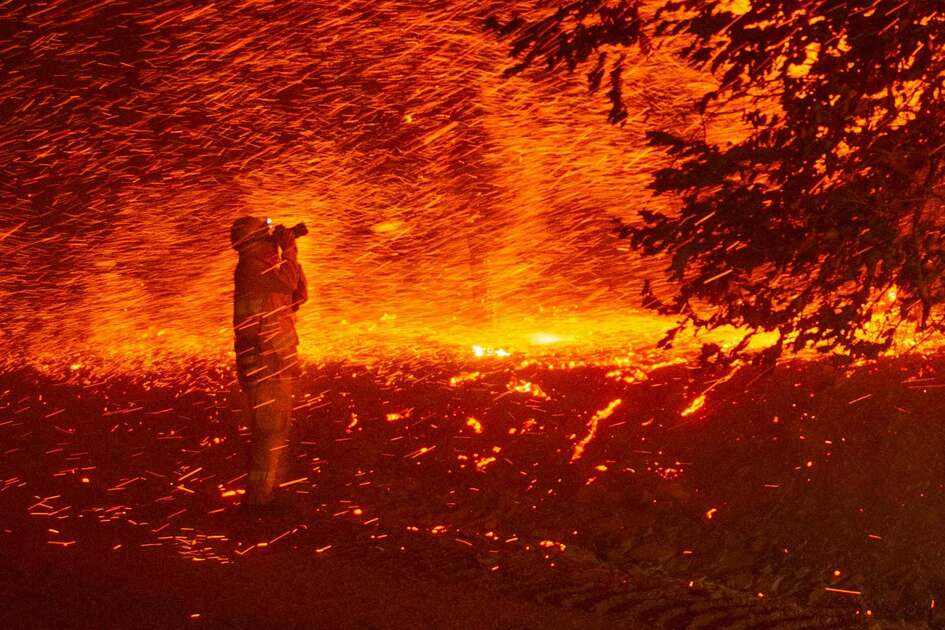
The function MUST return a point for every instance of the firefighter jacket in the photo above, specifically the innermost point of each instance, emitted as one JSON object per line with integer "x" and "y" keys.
{"x": 268, "y": 291}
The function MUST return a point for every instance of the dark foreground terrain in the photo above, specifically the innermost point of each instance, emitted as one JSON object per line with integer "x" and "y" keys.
{"x": 493, "y": 492}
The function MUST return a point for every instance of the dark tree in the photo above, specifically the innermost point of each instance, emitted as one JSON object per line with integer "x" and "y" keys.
{"x": 822, "y": 217}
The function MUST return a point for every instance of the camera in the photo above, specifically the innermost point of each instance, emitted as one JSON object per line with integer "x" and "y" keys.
{"x": 297, "y": 231}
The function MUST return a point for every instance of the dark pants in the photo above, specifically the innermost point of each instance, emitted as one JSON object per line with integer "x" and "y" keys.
{"x": 270, "y": 408}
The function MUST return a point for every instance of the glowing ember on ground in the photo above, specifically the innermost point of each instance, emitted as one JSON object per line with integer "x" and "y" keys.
{"x": 694, "y": 406}
{"x": 592, "y": 428}
{"x": 474, "y": 424}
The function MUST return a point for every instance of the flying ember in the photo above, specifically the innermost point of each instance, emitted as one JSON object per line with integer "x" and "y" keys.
{"x": 444, "y": 202}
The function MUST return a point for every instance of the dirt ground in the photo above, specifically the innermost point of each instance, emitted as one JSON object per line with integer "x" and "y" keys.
{"x": 91, "y": 588}
{"x": 490, "y": 493}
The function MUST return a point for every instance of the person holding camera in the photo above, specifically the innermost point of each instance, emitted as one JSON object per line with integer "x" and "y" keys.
{"x": 269, "y": 287}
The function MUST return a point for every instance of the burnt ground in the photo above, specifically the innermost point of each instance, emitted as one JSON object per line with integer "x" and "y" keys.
{"x": 489, "y": 493}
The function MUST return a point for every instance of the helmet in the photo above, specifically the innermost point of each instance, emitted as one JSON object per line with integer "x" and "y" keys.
{"x": 245, "y": 230}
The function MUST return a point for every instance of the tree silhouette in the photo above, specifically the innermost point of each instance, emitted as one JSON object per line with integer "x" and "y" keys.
{"x": 822, "y": 217}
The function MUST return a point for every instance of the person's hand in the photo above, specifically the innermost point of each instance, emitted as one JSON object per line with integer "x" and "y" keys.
{"x": 284, "y": 238}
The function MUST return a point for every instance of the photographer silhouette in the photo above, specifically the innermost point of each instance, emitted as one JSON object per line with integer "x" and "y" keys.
{"x": 268, "y": 289}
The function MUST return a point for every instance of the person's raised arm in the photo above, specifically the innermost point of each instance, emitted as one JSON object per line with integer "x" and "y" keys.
{"x": 286, "y": 275}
